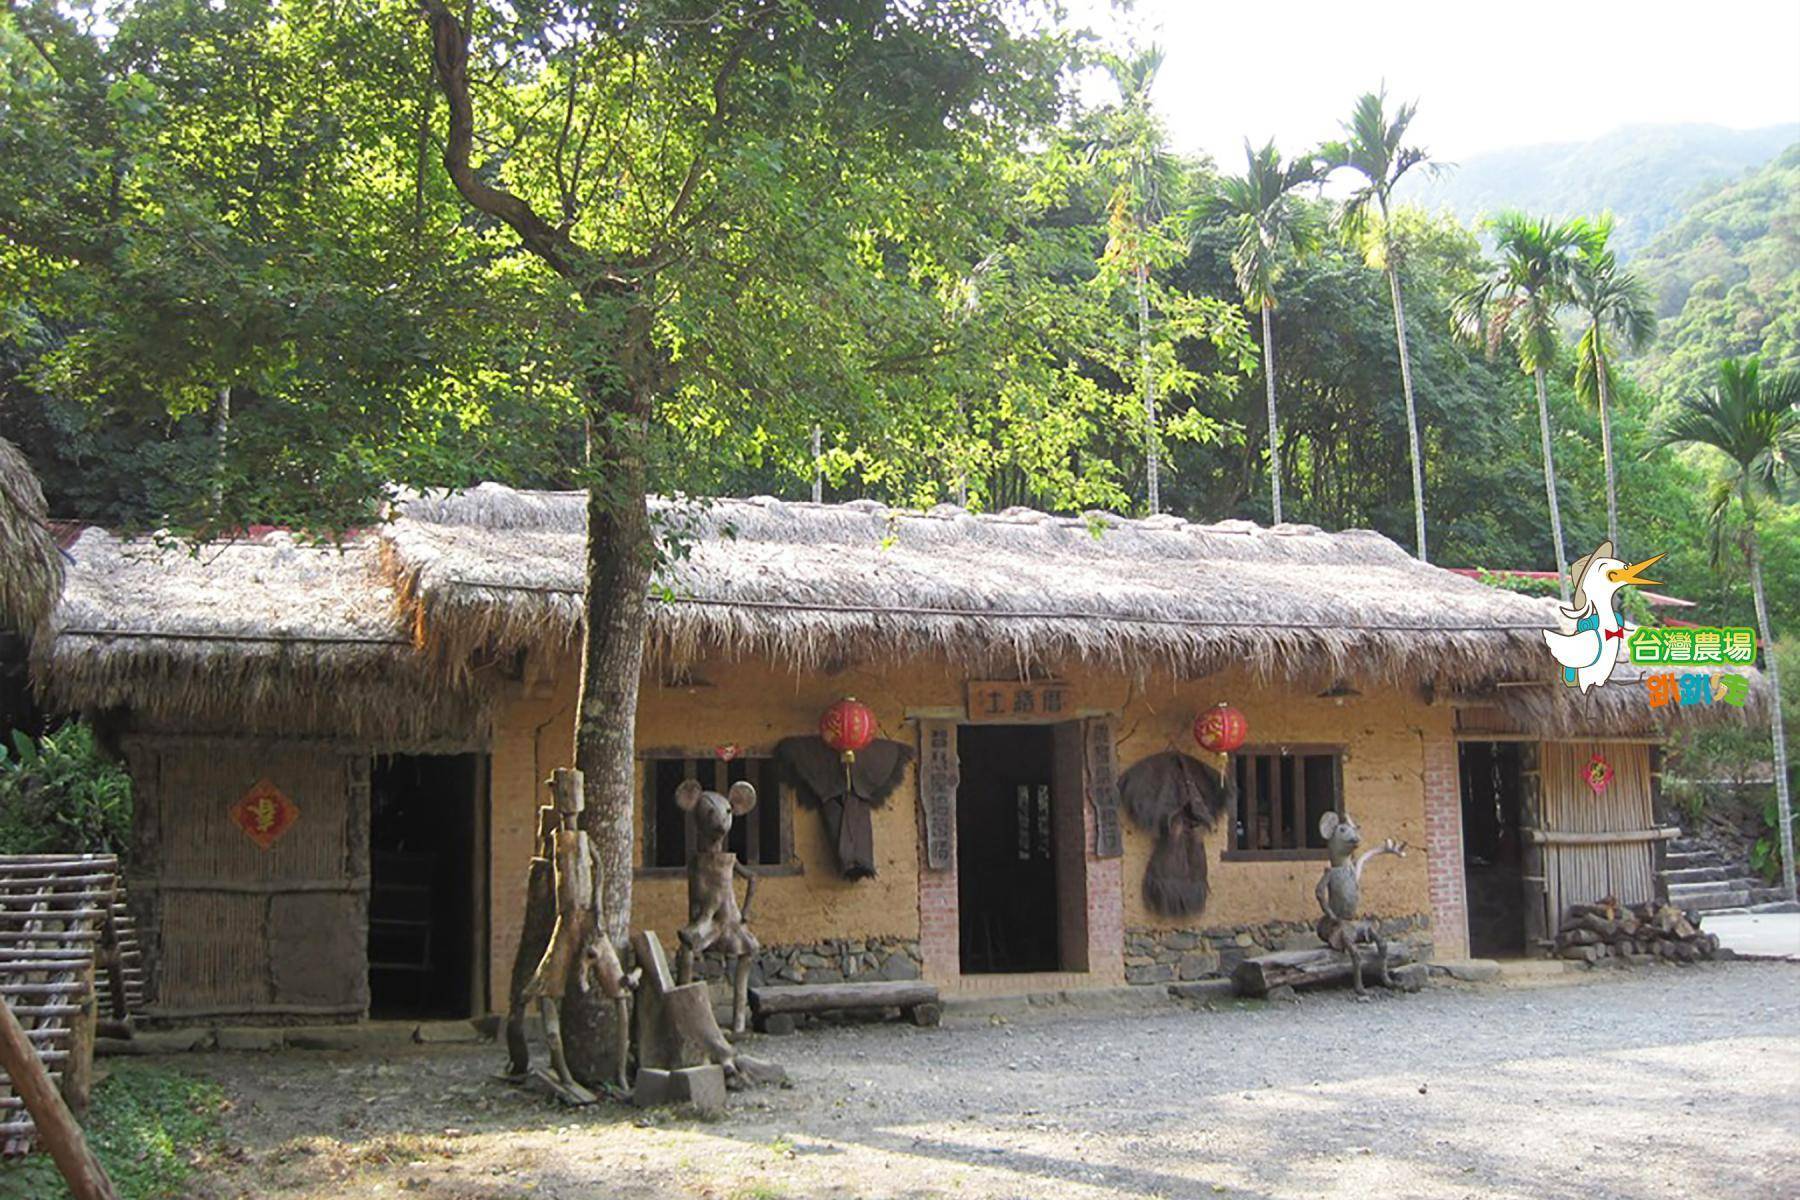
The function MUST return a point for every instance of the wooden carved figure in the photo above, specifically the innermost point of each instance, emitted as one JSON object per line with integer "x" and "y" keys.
{"x": 715, "y": 922}
{"x": 1340, "y": 894}
{"x": 579, "y": 950}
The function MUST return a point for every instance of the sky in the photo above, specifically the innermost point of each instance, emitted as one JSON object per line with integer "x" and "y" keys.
{"x": 1486, "y": 76}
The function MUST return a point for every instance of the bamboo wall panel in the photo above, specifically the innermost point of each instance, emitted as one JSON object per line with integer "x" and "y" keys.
{"x": 1584, "y": 874}
{"x": 240, "y": 929}
{"x": 215, "y": 951}
{"x": 199, "y": 785}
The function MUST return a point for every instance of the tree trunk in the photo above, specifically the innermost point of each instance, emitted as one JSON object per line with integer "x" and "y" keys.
{"x": 1412, "y": 415}
{"x": 619, "y": 553}
{"x": 1784, "y": 804}
{"x": 1274, "y": 429}
{"x": 1562, "y": 558}
{"x": 1606, "y": 451}
{"x": 221, "y": 435}
{"x": 1152, "y": 482}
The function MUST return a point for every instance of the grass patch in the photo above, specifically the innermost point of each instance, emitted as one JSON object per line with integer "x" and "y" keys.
{"x": 146, "y": 1124}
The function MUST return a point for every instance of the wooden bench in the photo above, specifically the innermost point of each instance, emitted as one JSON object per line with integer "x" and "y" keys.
{"x": 774, "y": 1009}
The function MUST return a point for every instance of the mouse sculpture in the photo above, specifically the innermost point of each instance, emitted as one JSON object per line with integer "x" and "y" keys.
{"x": 715, "y": 922}
{"x": 1340, "y": 893}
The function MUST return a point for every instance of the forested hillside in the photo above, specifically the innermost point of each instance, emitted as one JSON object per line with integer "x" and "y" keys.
{"x": 1645, "y": 175}
{"x": 1726, "y": 277}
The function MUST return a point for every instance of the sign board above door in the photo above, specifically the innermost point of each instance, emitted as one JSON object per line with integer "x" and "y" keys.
{"x": 1018, "y": 702}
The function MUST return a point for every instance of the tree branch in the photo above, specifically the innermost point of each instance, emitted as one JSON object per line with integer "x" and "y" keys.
{"x": 450, "y": 63}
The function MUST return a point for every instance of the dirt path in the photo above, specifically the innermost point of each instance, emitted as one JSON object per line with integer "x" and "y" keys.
{"x": 1669, "y": 1083}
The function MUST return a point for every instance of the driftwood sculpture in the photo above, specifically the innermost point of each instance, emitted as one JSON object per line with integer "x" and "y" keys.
{"x": 579, "y": 951}
{"x": 680, "y": 1046}
{"x": 1340, "y": 894}
{"x": 534, "y": 939}
{"x": 715, "y": 922}
{"x": 1180, "y": 799}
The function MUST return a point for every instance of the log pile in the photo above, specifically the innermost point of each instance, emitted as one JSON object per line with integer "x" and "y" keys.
{"x": 1608, "y": 929}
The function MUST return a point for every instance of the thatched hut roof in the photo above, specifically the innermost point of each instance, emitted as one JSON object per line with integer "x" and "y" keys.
{"x": 265, "y": 633}
{"x": 31, "y": 568}
{"x": 806, "y": 585}
{"x": 492, "y": 573}
{"x": 810, "y": 584}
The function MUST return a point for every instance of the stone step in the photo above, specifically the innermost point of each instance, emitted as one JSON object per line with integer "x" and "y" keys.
{"x": 1688, "y": 845}
{"x": 1714, "y": 896}
{"x": 1683, "y": 875}
{"x": 1692, "y": 857}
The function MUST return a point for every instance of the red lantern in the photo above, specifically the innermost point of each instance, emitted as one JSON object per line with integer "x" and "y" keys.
{"x": 847, "y": 727}
{"x": 1221, "y": 729}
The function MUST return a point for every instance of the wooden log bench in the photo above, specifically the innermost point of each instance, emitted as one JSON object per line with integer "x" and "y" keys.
{"x": 775, "y": 1009}
{"x": 1301, "y": 969}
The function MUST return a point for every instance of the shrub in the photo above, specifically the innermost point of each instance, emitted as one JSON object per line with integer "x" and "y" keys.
{"x": 60, "y": 795}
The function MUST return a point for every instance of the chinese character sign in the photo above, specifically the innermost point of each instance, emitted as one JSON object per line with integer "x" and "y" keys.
{"x": 1019, "y": 701}
{"x": 1691, "y": 688}
{"x": 1659, "y": 647}
{"x": 264, "y": 813}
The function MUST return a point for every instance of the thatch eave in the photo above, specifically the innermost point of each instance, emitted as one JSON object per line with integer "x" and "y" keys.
{"x": 31, "y": 565}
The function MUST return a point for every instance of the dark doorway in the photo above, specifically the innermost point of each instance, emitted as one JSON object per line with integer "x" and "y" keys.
{"x": 427, "y": 885}
{"x": 1006, "y": 849}
{"x": 1493, "y": 848}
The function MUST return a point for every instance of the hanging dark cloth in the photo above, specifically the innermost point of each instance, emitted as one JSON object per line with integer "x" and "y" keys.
{"x": 816, "y": 773}
{"x": 1180, "y": 798}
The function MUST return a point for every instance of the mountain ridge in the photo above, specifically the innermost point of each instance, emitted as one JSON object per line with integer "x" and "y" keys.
{"x": 1645, "y": 174}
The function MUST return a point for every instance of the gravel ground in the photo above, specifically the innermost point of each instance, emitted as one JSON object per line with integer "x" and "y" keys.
{"x": 1659, "y": 1082}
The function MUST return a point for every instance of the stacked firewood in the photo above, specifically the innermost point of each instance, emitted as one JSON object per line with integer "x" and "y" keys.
{"x": 1609, "y": 929}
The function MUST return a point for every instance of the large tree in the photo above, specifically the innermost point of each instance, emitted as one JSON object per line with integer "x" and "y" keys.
{"x": 1263, "y": 208}
{"x": 1518, "y": 302}
{"x": 1752, "y": 422}
{"x": 1612, "y": 301}
{"x": 710, "y": 182}
{"x": 1374, "y": 147}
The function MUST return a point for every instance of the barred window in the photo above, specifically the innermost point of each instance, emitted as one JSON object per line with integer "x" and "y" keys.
{"x": 761, "y": 837}
{"x": 1281, "y": 794}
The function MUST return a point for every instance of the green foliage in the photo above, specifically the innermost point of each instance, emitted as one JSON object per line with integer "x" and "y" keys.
{"x": 146, "y": 1124}
{"x": 1765, "y": 852}
{"x": 1726, "y": 280}
{"x": 59, "y": 794}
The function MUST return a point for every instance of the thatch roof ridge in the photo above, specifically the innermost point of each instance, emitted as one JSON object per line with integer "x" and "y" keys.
{"x": 31, "y": 566}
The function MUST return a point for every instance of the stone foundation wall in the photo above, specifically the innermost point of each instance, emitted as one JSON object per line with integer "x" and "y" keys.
{"x": 837, "y": 960}
{"x": 1175, "y": 955}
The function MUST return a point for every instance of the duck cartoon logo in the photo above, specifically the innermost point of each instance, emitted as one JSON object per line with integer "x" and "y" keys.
{"x": 1590, "y": 637}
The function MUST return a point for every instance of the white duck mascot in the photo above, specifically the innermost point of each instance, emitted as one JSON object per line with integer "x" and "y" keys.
{"x": 1592, "y": 634}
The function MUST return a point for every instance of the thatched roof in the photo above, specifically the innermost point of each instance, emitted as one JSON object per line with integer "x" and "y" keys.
{"x": 811, "y": 584}
{"x": 493, "y": 573}
{"x": 807, "y": 585}
{"x": 265, "y": 633}
{"x": 31, "y": 568}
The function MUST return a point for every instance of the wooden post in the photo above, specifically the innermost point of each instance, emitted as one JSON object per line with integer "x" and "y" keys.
{"x": 56, "y": 1127}
{"x": 1659, "y": 812}
{"x": 1531, "y": 812}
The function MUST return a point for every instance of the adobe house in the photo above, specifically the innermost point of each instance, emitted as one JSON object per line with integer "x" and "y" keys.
{"x": 339, "y": 751}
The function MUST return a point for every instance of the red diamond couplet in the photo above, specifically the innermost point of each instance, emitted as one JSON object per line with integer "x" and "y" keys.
{"x": 264, "y": 813}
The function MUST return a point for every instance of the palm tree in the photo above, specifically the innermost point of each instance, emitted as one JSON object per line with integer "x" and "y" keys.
{"x": 1519, "y": 303}
{"x": 1616, "y": 301}
{"x": 1131, "y": 147}
{"x": 1372, "y": 146}
{"x": 1270, "y": 223}
{"x": 1755, "y": 424}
